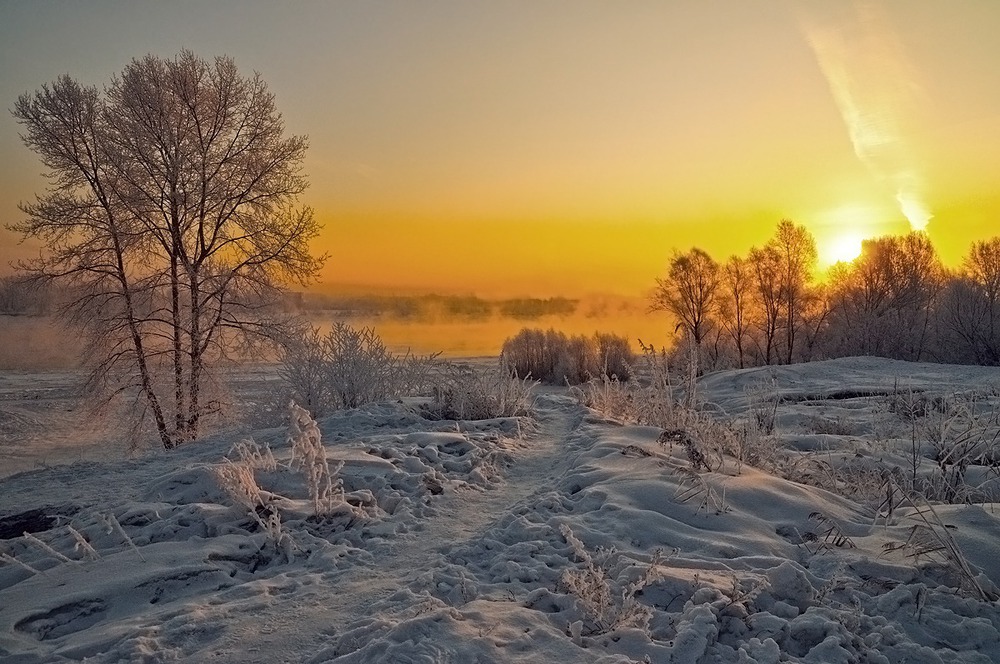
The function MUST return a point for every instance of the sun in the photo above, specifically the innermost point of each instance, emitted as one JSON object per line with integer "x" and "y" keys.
{"x": 844, "y": 247}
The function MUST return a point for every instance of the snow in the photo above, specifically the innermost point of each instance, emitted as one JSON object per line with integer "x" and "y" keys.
{"x": 564, "y": 537}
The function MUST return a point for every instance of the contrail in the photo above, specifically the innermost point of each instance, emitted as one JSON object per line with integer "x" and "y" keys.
{"x": 874, "y": 88}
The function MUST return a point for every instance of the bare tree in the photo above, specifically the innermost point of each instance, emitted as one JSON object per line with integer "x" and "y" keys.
{"x": 882, "y": 303}
{"x": 963, "y": 314}
{"x": 796, "y": 250}
{"x": 861, "y": 293}
{"x": 734, "y": 308}
{"x": 689, "y": 292}
{"x": 982, "y": 266}
{"x": 19, "y": 297}
{"x": 765, "y": 264}
{"x": 921, "y": 277}
{"x": 172, "y": 213}
{"x": 814, "y": 320}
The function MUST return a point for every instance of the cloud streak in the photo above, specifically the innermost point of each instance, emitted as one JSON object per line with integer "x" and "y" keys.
{"x": 875, "y": 90}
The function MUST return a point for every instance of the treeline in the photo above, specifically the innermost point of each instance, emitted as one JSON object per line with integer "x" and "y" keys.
{"x": 895, "y": 300}
{"x": 422, "y": 307}
{"x": 19, "y": 297}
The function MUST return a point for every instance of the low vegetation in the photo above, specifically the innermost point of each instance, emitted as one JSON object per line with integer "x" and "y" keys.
{"x": 349, "y": 367}
{"x": 926, "y": 452}
{"x": 469, "y": 393}
{"x": 553, "y": 357}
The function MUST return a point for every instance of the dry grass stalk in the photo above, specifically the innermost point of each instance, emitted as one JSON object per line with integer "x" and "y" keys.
{"x": 7, "y": 558}
{"x": 28, "y": 537}
{"x": 930, "y": 538}
{"x": 605, "y": 608}
{"x": 82, "y": 545}
{"x": 694, "y": 485}
{"x": 112, "y": 524}
{"x": 309, "y": 455}
{"x": 833, "y": 535}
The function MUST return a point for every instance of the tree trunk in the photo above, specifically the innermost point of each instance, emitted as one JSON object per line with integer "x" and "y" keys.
{"x": 178, "y": 353}
{"x": 140, "y": 350}
{"x": 195, "y": 354}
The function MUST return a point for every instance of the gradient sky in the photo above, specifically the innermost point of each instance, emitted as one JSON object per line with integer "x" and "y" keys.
{"x": 538, "y": 147}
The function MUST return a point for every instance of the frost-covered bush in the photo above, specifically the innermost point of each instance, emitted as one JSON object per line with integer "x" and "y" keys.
{"x": 614, "y": 356}
{"x": 303, "y": 367}
{"x": 359, "y": 368}
{"x": 605, "y": 604}
{"x": 657, "y": 401}
{"x": 553, "y": 357}
{"x": 469, "y": 393}
{"x": 349, "y": 367}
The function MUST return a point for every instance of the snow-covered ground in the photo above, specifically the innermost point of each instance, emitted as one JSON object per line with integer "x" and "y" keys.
{"x": 564, "y": 537}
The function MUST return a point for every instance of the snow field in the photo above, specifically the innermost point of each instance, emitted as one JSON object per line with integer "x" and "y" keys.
{"x": 567, "y": 537}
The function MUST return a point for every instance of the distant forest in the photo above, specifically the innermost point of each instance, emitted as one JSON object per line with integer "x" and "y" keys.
{"x": 422, "y": 307}
{"x": 19, "y": 298}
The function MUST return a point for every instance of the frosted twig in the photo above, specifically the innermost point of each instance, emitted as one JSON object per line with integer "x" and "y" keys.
{"x": 14, "y": 561}
{"x": 82, "y": 545}
{"x": 48, "y": 549}
{"x": 112, "y": 524}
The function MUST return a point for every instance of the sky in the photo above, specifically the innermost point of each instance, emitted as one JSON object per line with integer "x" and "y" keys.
{"x": 569, "y": 147}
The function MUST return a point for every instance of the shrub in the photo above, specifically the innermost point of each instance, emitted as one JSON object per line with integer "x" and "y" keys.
{"x": 348, "y": 368}
{"x": 466, "y": 393}
{"x": 552, "y": 357}
{"x": 654, "y": 402}
{"x": 303, "y": 366}
{"x": 606, "y": 604}
{"x": 614, "y": 356}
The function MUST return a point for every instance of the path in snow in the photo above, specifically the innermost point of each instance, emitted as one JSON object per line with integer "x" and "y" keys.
{"x": 343, "y": 597}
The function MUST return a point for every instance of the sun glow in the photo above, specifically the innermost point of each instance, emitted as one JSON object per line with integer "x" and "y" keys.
{"x": 842, "y": 248}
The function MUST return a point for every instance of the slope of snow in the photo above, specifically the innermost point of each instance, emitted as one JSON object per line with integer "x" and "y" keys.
{"x": 559, "y": 538}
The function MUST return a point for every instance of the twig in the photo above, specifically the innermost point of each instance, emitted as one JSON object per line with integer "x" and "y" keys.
{"x": 48, "y": 549}
{"x": 113, "y": 525}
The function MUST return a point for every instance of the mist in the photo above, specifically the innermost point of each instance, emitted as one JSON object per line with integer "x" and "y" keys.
{"x": 472, "y": 326}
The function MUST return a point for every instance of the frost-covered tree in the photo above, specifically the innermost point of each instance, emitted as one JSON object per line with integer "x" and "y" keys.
{"x": 689, "y": 293}
{"x": 882, "y": 303}
{"x": 172, "y": 217}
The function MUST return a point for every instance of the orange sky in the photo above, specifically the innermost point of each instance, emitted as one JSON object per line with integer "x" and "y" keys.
{"x": 547, "y": 147}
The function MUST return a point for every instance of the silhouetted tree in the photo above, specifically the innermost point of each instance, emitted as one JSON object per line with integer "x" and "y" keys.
{"x": 983, "y": 268}
{"x": 814, "y": 321}
{"x": 172, "y": 213}
{"x": 963, "y": 321}
{"x": 766, "y": 265}
{"x": 734, "y": 307}
{"x": 882, "y": 302}
{"x": 796, "y": 251}
{"x": 688, "y": 293}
